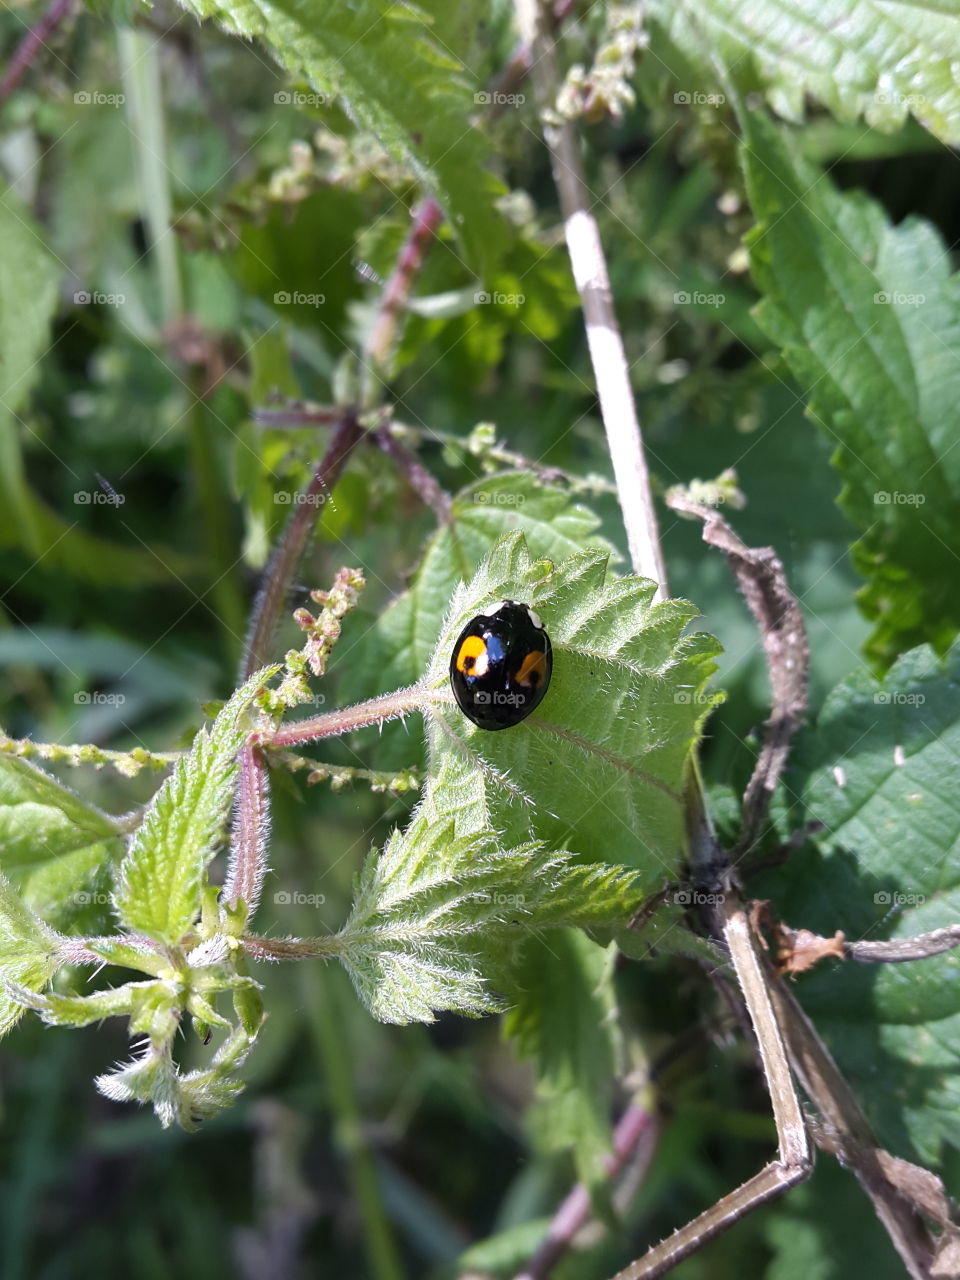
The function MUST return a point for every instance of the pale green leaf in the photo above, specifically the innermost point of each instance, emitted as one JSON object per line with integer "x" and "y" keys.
{"x": 435, "y": 915}
{"x": 161, "y": 878}
{"x": 55, "y": 847}
{"x": 29, "y": 954}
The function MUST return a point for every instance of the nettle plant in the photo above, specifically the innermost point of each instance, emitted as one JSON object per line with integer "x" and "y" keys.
{"x": 502, "y": 849}
{"x": 544, "y": 855}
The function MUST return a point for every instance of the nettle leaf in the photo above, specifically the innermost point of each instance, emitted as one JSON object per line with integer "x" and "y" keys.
{"x": 391, "y": 67}
{"x": 403, "y": 639}
{"x": 29, "y": 954}
{"x": 436, "y": 913}
{"x": 161, "y": 878}
{"x": 857, "y": 57}
{"x": 54, "y": 846}
{"x": 563, "y": 1016}
{"x": 868, "y": 317}
{"x": 879, "y": 771}
{"x": 468, "y": 908}
{"x": 600, "y": 767}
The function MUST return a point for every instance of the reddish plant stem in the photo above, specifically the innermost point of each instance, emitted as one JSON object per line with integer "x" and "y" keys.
{"x": 426, "y": 219}
{"x": 248, "y": 863}
{"x": 30, "y": 46}
{"x": 284, "y": 561}
{"x": 635, "y": 1125}
{"x": 334, "y": 723}
{"x": 421, "y": 480}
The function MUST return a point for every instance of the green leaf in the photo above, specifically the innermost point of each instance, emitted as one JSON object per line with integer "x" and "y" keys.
{"x": 299, "y": 259}
{"x": 435, "y": 914}
{"x": 392, "y": 69}
{"x": 858, "y": 58}
{"x": 161, "y": 878}
{"x": 41, "y": 820}
{"x": 29, "y": 954}
{"x": 868, "y": 318}
{"x": 562, "y": 1016}
{"x": 55, "y": 847}
{"x": 620, "y": 717}
{"x": 399, "y": 647}
{"x": 28, "y": 297}
{"x": 600, "y": 767}
{"x": 879, "y": 771}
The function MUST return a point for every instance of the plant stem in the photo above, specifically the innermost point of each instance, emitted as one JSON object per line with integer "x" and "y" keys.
{"x": 423, "y": 481}
{"x": 607, "y": 355}
{"x": 140, "y": 69}
{"x": 333, "y": 723}
{"x": 248, "y": 855}
{"x": 636, "y": 1126}
{"x": 284, "y": 561}
{"x": 326, "y": 1023}
{"x": 214, "y": 509}
{"x": 426, "y": 219}
{"x": 30, "y": 46}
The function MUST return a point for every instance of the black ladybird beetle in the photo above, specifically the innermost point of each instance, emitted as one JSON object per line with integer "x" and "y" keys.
{"x": 501, "y": 665}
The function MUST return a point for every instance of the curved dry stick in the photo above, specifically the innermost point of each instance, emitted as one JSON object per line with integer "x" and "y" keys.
{"x": 897, "y": 950}
{"x": 763, "y": 583}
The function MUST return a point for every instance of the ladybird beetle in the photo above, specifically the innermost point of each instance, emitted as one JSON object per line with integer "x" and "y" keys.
{"x": 501, "y": 665}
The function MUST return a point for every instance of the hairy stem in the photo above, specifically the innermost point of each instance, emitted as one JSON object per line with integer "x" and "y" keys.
{"x": 283, "y": 563}
{"x": 248, "y": 857}
{"x": 333, "y": 723}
